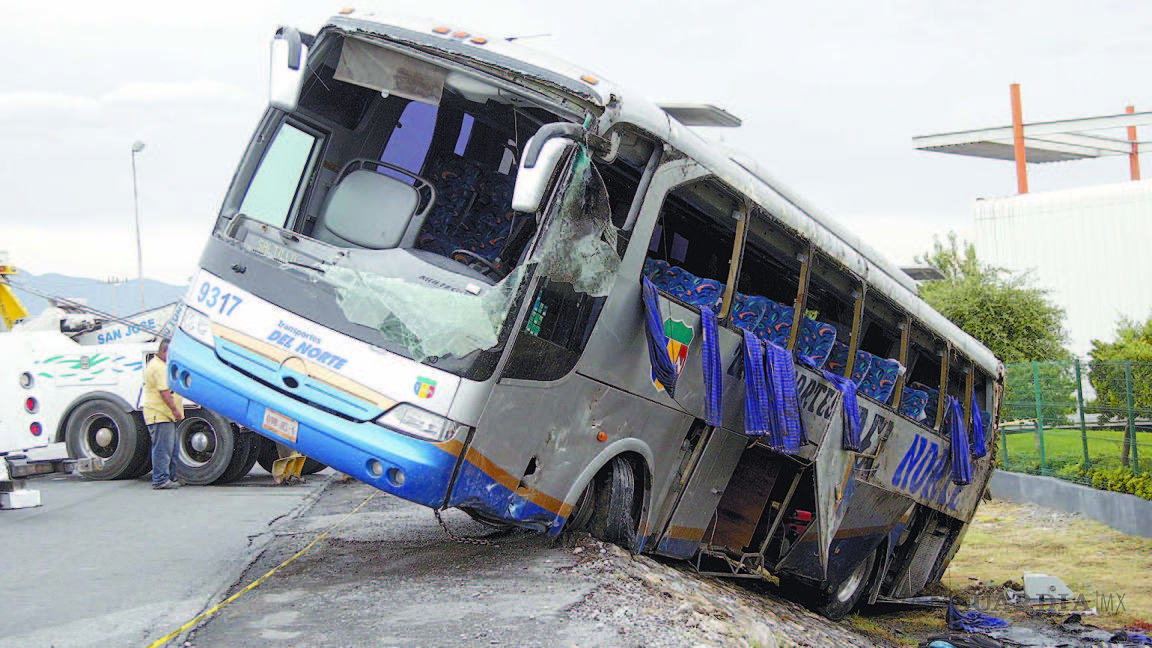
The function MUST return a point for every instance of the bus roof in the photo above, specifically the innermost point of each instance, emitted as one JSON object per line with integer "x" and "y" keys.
{"x": 614, "y": 104}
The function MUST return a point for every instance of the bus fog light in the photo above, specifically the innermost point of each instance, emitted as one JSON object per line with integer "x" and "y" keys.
{"x": 375, "y": 468}
{"x": 396, "y": 477}
{"x": 416, "y": 422}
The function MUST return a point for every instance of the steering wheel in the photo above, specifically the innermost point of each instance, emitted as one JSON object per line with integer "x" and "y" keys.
{"x": 471, "y": 257}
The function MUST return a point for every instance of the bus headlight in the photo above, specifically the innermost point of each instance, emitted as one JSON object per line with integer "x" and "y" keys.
{"x": 416, "y": 422}
{"x": 197, "y": 326}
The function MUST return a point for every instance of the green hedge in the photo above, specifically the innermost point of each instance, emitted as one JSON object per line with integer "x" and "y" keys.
{"x": 1100, "y": 475}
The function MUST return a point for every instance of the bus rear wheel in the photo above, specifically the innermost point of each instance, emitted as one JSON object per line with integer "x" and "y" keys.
{"x": 609, "y": 507}
{"x": 838, "y": 600}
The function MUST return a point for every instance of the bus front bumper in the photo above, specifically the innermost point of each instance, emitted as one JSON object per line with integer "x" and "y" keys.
{"x": 412, "y": 469}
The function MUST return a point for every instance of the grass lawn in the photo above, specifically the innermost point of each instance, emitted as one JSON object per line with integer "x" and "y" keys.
{"x": 1006, "y": 540}
{"x": 1064, "y": 446}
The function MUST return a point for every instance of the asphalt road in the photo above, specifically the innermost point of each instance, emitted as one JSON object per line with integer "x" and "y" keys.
{"x": 389, "y": 576}
{"x": 118, "y": 564}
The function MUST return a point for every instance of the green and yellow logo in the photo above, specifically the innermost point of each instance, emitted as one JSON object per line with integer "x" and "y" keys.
{"x": 680, "y": 337}
{"x": 425, "y": 387}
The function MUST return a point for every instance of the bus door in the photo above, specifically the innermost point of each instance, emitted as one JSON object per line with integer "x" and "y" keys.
{"x": 701, "y": 478}
{"x": 831, "y": 484}
{"x": 540, "y": 419}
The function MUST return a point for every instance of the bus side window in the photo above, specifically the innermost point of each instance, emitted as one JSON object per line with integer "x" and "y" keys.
{"x": 568, "y": 300}
{"x": 828, "y": 310}
{"x": 622, "y": 177}
{"x": 691, "y": 245}
{"x": 771, "y": 267}
{"x": 278, "y": 181}
{"x": 924, "y": 371}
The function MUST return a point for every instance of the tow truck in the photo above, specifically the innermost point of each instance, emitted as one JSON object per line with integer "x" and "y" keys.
{"x": 72, "y": 387}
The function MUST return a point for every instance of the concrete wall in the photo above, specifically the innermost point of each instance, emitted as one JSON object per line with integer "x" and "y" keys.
{"x": 1121, "y": 511}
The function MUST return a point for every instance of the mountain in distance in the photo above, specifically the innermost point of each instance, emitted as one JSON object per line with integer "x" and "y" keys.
{"x": 121, "y": 298}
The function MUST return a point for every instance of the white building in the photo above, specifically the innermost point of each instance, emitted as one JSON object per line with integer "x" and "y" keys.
{"x": 1091, "y": 247}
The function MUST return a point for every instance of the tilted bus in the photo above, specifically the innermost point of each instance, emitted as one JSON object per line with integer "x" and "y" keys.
{"x": 474, "y": 276}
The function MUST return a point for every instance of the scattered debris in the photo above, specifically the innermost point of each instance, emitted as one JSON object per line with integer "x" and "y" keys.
{"x": 1043, "y": 587}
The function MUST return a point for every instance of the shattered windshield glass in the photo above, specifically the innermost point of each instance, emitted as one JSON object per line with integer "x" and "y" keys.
{"x": 431, "y": 319}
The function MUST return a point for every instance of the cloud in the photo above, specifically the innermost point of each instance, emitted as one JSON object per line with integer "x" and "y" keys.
{"x": 176, "y": 92}
{"x": 18, "y": 106}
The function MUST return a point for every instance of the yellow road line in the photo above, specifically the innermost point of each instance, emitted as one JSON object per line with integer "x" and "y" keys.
{"x": 216, "y": 608}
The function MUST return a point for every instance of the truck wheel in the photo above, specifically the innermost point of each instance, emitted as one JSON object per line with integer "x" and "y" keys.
{"x": 838, "y": 600}
{"x": 615, "y": 513}
{"x": 205, "y": 443}
{"x": 100, "y": 429}
{"x": 243, "y": 457}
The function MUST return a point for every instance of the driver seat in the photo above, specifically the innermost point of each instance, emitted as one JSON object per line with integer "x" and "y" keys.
{"x": 370, "y": 210}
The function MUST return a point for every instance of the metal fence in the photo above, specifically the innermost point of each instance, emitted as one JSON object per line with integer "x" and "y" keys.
{"x": 1077, "y": 419}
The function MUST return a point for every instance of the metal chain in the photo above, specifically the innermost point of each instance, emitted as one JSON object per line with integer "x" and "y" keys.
{"x": 459, "y": 539}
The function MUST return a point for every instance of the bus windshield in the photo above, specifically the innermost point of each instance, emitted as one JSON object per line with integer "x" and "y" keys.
{"x": 392, "y": 201}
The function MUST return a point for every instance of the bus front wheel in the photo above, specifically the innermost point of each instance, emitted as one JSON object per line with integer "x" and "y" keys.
{"x": 609, "y": 507}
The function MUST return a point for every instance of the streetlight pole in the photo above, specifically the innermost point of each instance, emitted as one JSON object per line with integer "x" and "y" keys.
{"x": 136, "y": 148}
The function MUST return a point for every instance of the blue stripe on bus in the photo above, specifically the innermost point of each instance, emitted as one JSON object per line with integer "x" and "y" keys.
{"x": 677, "y": 548}
{"x": 344, "y": 445}
{"x": 477, "y": 489}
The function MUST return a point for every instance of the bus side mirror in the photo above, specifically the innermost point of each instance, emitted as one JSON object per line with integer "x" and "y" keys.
{"x": 287, "y": 72}
{"x": 543, "y": 153}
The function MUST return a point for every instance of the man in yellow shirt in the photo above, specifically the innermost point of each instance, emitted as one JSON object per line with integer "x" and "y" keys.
{"x": 162, "y": 411}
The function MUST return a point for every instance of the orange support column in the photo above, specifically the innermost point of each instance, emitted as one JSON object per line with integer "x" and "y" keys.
{"x": 1018, "y": 140}
{"x": 1134, "y": 156}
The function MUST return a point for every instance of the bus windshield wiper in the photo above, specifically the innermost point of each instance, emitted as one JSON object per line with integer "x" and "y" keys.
{"x": 299, "y": 264}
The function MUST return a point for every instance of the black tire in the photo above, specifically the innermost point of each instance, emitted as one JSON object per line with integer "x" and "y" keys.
{"x": 205, "y": 444}
{"x": 243, "y": 457}
{"x": 145, "y": 463}
{"x": 836, "y": 601}
{"x": 615, "y": 514}
{"x": 266, "y": 455}
{"x": 311, "y": 467}
{"x": 100, "y": 428}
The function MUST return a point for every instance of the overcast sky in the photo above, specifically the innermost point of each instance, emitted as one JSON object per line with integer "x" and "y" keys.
{"x": 831, "y": 94}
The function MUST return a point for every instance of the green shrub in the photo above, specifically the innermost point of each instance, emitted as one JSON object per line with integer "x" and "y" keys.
{"x": 1121, "y": 480}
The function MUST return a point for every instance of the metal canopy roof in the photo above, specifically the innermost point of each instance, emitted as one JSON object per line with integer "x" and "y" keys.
{"x": 1055, "y": 141}
{"x": 923, "y": 273}
{"x": 701, "y": 115}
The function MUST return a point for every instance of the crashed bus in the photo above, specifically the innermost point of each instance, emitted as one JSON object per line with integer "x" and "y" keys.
{"x": 477, "y": 277}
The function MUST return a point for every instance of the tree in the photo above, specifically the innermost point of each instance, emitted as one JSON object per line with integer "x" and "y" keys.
{"x": 1011, "y": 317}
{"x": 1116, "y": 364}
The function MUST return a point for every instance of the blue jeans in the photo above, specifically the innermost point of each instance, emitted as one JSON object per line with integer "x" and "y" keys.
{"x": 163, "y": 451}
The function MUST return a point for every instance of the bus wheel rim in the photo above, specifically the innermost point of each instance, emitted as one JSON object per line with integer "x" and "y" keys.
{"x": 852, "y": 583}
